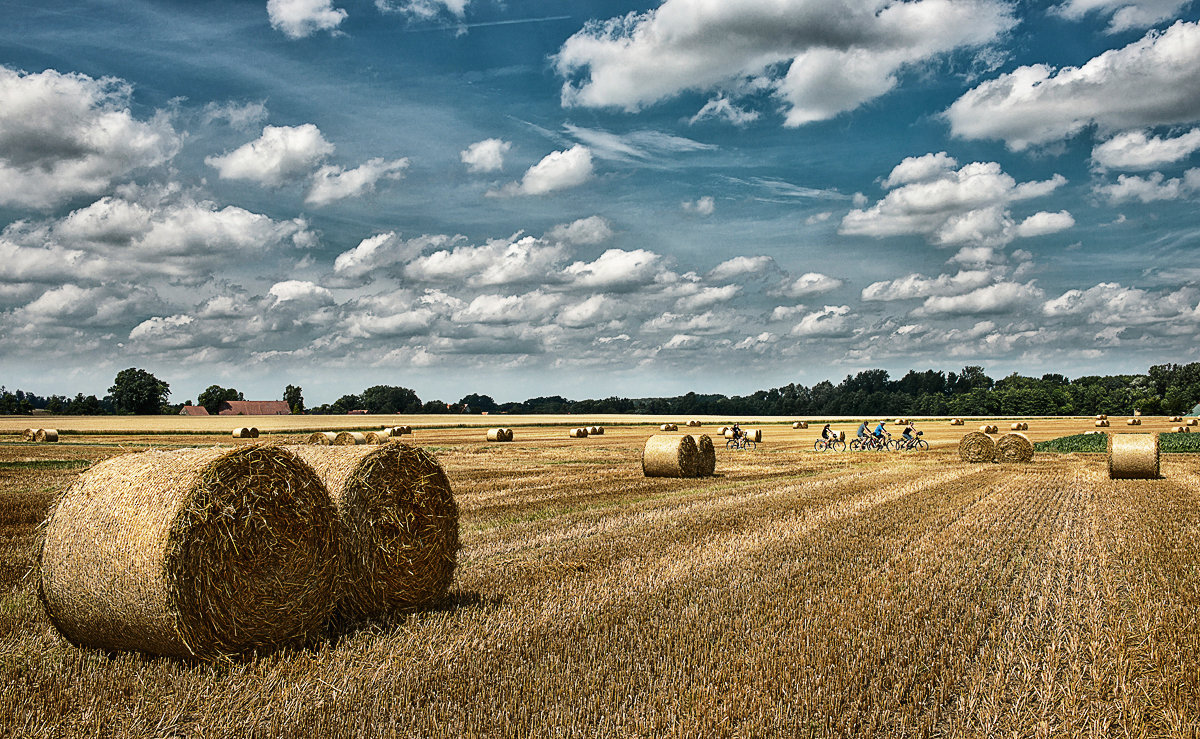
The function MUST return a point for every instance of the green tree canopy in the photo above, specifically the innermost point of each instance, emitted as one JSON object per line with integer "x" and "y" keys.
{"x": 139, "y": 392}
{"x": 294, "y": 397}
{"x": 214, "y": 395}
{"x": 390, "y": 399}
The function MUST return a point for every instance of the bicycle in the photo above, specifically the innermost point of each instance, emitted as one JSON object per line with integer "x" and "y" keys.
{"x": 916, "y": 443}
{"x": 741, "y": 442}
{"x": 871, "y": 443}
{"x": 824, "y": 445}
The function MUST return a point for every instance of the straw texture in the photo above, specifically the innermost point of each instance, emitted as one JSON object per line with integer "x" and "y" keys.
{"x": 28, "y": 434}
{"x": 1014, "y": 447}
{"x": 1133, "y": 456}
{"x": 46, "y": 435}
{"x": 707, "y": 461}
{"x": 976, "y": 446}
{"x": 321, "y": 438}
{"x": 670, "y": 456}
{"x": 399, "y": 524}
{"x": 349, "y": 438}
{"x": 195, "y": 552}
{"x": 754, "y": 435}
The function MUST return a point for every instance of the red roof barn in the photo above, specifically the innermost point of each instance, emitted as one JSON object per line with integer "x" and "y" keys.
{"x": 193, "y": 410}
{"x": 253, "y": 408}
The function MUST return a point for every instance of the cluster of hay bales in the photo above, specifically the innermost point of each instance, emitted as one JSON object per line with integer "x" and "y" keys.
{"x": 679, "y": 456}
{"x": 956, "y": 422}
{"x": 1101, "y": 417}
{"x": 391, "y": 431}
{"x": 579, "y": 433}
{"x": 349, "y": 438}
{"x": 216, "y": 552}
{"x": 1175, "y": 419}
{"x": 244, "y": 432}
{"x": 668, "y": 427}
{"x": 41, "y": 436}
{"x": 1134, "y": 422}
{"x": 989, "y": 429}
{"x": 321, "y": 438}
{"x": 1015, "y": 447}
{"x": 693, "y": 424}
{"x": 1133, "y": 456}
{"x": 1018, "y": 426}
{"x": 500, "y": 434}
{"x": 1180, "y": 429}
{"x": 1102, "y": 423}
{"x": 978, "y": 446}
{"x": 800, "y": 424}
{"x": 595, "y": 430}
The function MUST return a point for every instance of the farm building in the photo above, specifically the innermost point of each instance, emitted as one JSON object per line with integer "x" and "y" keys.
{"x": 193, "y": 410}
{"x": 1195, "y": 411}
{"x": 254, "y": 408}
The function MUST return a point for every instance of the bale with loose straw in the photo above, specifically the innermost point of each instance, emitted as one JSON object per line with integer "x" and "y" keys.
{"x": 976, "y": 446}
{"x": 241, "y": 433}
{"x": 399, "y": 526}
{"x": 579, "y": 433}
{"x": 670, "y": 456}
{"x": 321, "y": 438}
{"x": 1134, "y": 422}
{"x": 754, "y": 435}
{"x": 29, "y": 434}
{"x": 194, "y": 552}
{"x": 349, "y": 438}
{"x": 1101, "y": 424}
{"x": 1133, "y": 456}
{"x": 1014, "y": 448}
{"x": 46, "y": 436}
{"x": 707, "y": 460}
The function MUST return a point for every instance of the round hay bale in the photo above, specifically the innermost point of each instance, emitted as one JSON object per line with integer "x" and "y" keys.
{"x": 1179, "y": 429}
{"x": 754, "y": 435}
{"x": 321, "y": 438}
{"x": 508, "y": 434}
{"x": 29, "y": 434}
{"x": 1134, "y": 422}
{"x": 595, "y": 430}
{"x": 666, "y": 427}
{"x": 693, "y": 424}
{"x": 499, "y": 434}
{"x": 1014, "y": 448}
{"x": 1175, "y": 419}
{"x": 670, "y": 456}
{"x": 727, "y": 433}
{"x": 579, "y": 433}
{"x": 253, "y": 432}
{"x": 707, "y": 461}
{"x": 46, "y": 436}
{"x": 1102, "y": 424}
{"x": 349, "y": 438}
{"x": 194, "y": 552}
{"x": 795, "y": 424}
{"x": 399, "y": 525}
{"x": 241, "y": 433}
{"x": 976, "y": 446}
{"x": 956, "y": 422}
{"x": 375, "y": 437}
{"x": 1014, "y": 426}
{"x": 1133, "y": 456}
{"x": 1101, "y": 417}
{"x": 1192, "y": 421}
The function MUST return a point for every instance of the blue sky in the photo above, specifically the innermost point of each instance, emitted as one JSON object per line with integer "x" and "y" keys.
{"x": 593, "y": 198}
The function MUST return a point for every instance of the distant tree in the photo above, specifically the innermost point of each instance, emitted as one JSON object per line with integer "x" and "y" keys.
{"x": 390, "y": 399}
{"x": 345, "y": 404}
{"x": 294, "y": 398}
{"x": 479, "y": 403}
{"x": 214, "y": 395}
{"x": 139, "y": 392}
{"x": 434, "y": 406}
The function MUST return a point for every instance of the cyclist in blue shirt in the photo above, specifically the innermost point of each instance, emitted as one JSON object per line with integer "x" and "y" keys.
{"x": 879, "y": 430}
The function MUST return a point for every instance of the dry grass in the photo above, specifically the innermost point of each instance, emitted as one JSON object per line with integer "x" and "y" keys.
{"x": 793, "y": 594}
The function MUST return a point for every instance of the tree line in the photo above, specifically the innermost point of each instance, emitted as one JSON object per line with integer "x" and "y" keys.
{"x": 1166, "y": 389}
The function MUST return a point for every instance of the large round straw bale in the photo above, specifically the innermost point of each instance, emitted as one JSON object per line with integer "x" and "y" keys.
{"x": 977, "y": 446}
{"x": 349, "y": 438}
{"x": 375, "y": 437}
{"x": 253, "y": 432}
{"x": 321, "y": 438}
{"x": 1014, "y": 448}
{"x": 1133, "y": 456}
{"x": 707, "y": 460}
{"x": 399, "y": 526}
{"x": 1102, "y": 424}
{"x": 754, "y": 435}
{"x": 194, "y": 552}
{"x": 241, "y": 432}
{"x": 499, "y": 434}
{"x": 29, "y": 434}
{"x": 580, "y": 433}
{"x": 670, "y": 456}
{"x": 1134, "y": 422}
{"x": 727, "y": 433}
{"x": 795, "y": 424}
{"x": 1014, "y": 426}
{"x": 693, "y": 424}
{"x": 48, "y": 436}
{"x": 508, "y": 434}
{"x": 985, "y": 428}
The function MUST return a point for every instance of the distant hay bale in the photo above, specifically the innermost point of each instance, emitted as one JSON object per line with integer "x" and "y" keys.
{"x": 400, "y": 430}
{"x": 1014, "y": 426}
{"x": 1175, "y": 419}
{"x": 754, "y": 435}
{"x": 956, "y": 422}
{"x": 29, "y": 434}
{"x": 241, "y": 433}
{"x": 670, "y": 456}
{"x": 1134, "y": 422}
{"x": 1179, "y": 429}
{"x": 579, "y": 433}
{"x": 500, "y": 434}
{"x": 1102, "y": 424}
{"x": 349, "y": 438}
{"x": 595, "y": 430}
{"x": 1133, "y": 456}
{"x": 977, "y": 446}
{"x": 693, "y": 424}
{"x": 1101, "y": 417}
{"x": 668, "y": 427}
{"x": 989, "y": 429}
{"x": 399, "y": 524}
{"x": 321, "y": 438}
{"x": 194, "y": 552}
{"x": 1014, "y": 448}
{"x": 46, "y": 436}
{"x": 1192, "y": 421}
{"x": 707, "y": 460}
{"x": 795, "y": 424}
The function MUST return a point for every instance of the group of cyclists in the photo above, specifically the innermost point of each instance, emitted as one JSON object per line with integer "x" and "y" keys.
{"x": 868, "y": 439}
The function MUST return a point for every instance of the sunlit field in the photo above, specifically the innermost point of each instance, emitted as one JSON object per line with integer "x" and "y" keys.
{"x": 793, "y": 594}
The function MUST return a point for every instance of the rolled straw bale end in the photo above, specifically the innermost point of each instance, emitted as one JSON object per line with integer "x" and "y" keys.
{"x": 500, "y": 434}
{"x": 1134, "y": 422}
{"x": 1133, "y": 456}
{"x": 670, "y": 456}
{"x": 796, "y": 424}
{"x": 1175, "y": 419}
{"x": 46, "y": 436}
{"x": 1179, "y": 429}
{"x": 1014, "y": 448}
{"x": 1014, "y": 426}
{"x": 976, "y": 446}
{"x": 597, "y": 430}
{"x": 29, "y": 435}
{"x": 579, "y": 433}
{"x": 1101, "y": 417}
{"x": 192, "y": 553}
{"x": 956, "y": 422}
{"x": 321, "y": 438}
{"x": 374, "y": 437}
{"x": 665, "y": 427}
{"x": 707, "y": 462}
{"x": 754, "y": 435}
{"x": 1102, "y": 424}
{"x": 349, "y": 438}
{"x": 241, "y": 433}
{"x": 253, "y": 432}
{"x": 1192, "y": 421}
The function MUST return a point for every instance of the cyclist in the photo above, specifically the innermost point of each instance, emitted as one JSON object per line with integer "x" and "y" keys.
{"x": 737, "y": 431}
{"x": 827, "y": 433}
{"x": 863, "y": 429}
{"x": 910, "y": 434}
{"x": 879, "y": 431}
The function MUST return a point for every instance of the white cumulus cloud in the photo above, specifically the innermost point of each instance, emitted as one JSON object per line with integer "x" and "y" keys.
{"x": 281, "y": 154}
{"x": 558, "y": 170}
{"x": 300, "y": 18}
{"x": 1135, "y": 150}
{"x": 486, "y": 155}
{"x": 332, "y": 183}
{"x": 1124, "y": 14}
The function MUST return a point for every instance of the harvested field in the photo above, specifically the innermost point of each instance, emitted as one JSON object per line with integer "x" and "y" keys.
{"x": 793, "y": 594}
